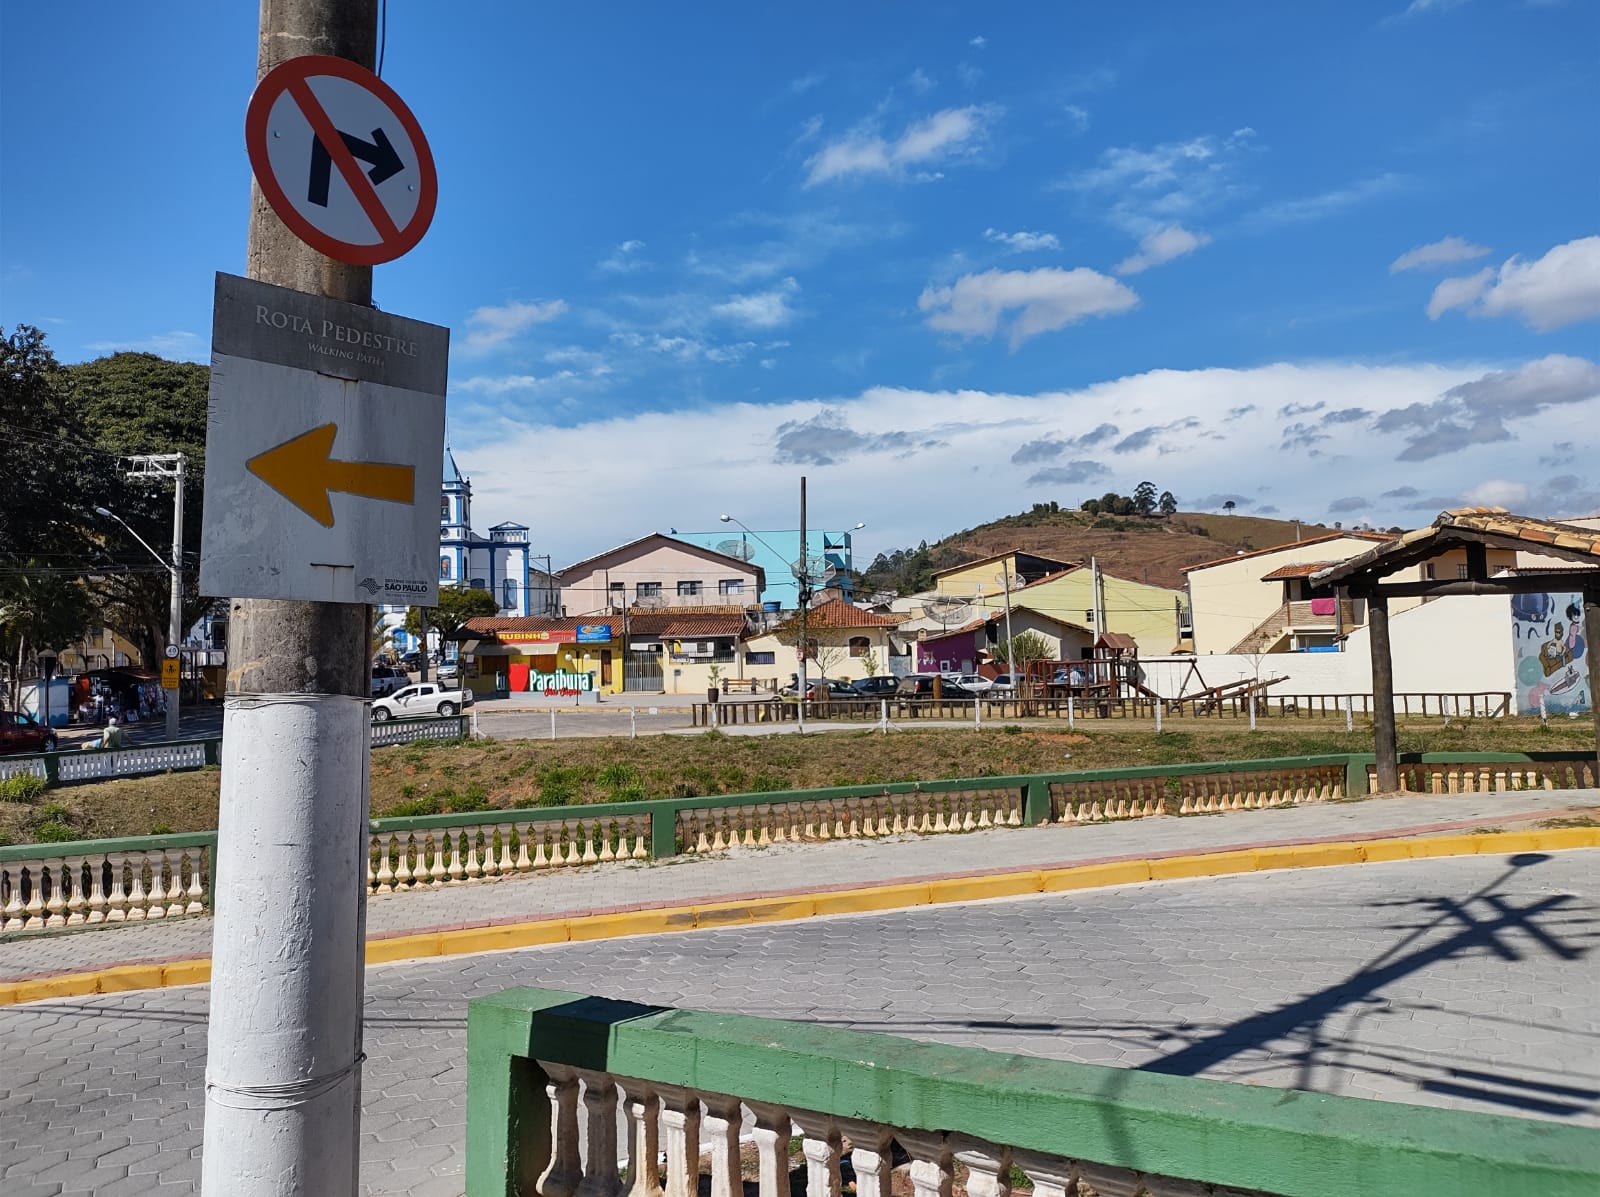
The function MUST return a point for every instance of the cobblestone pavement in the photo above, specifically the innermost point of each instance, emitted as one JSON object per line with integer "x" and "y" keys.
{"x": 808, "y": 867}
{"x": 1465, "y": 982}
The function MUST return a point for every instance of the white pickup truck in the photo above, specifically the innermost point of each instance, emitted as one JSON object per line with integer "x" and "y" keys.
{"x": 420, "y": 699}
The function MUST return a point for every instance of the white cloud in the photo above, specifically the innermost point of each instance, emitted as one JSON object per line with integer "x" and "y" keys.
{"x": 980, "y": 41}
{"x": 1043, "y": 300}
{"x": 972, "y": 434}
{"x": 1437, "y": 253}
{"x": 491, "y": 326}
{"x": 920, "y": 82}
{"x": 178, "y": 344}
{"x": 1559, "y": 289}
{"x": 1022, "y": 242}
{"x": 1497, "y": 492}
{"x": 1162, "y": 245}
{"x": 762, "y": 309}
{"x": 1458, "y": 292}
{"x": 1141, "y": 189}
{"x": 1078, "y": 115}
{"x": 1419, "y": 7}
{"x": 504, "y": 384}
{"x": 1328, "y": 203}
{"x": 625, "y": 258}
{"x": 948, "y": 134}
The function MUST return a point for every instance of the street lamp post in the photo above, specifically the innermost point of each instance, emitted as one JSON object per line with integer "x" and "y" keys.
{"x": 175, "y": 602}
{"x": 802, "y": 576}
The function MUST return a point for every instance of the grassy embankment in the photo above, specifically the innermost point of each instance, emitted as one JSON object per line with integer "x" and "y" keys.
{"x": 428, "y": 778}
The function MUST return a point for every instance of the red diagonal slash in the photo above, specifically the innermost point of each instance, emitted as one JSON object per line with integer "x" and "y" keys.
{"x": 361, "y": 186}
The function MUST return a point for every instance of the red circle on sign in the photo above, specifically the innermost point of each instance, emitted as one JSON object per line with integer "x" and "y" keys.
{"x": 290, "y": 77}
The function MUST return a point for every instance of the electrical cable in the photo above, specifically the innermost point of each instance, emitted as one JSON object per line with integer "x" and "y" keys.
{"x": 383, "y": 33}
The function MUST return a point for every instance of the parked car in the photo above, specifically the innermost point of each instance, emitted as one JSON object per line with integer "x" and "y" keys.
{"x": 421, "y": 699}
{"x": 448, "y": 672}
{"x": 386, "y": 679}
{"x": 882, "y": 686}
{"x": 1006, "y": 683}
{"x": 823, "y": 689}
{"x": 920, "y": 685}
{"x": 21, "y": 732}
{"x": 975, "y": 682}
{"x": 411, "y": 661}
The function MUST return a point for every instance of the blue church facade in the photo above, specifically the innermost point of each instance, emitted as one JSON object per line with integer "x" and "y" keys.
{"x": 500, "y": 562}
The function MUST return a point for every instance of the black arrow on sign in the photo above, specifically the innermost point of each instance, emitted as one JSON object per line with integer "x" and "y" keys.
{"x": 385, "y": 162}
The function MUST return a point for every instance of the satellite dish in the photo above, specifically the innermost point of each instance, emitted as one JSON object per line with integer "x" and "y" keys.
{"x": 815, "y": 568}
{"x": 947, "y": 609}
{"x": 1015, "y": 580}
{"x": 742, "y": 550}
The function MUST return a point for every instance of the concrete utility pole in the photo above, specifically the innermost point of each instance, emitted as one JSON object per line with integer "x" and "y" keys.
{"x": 283, "y": 1069}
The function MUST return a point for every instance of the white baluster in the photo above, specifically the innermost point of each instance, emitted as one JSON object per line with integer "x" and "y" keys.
{"x": 506, "y": 866}
{"x": 1052, "y": 1176}
{"x": 33, "y": 911}
{"x": 600, "y": 1176}
{"x": 540, "y": 860}
{"x": 385, "y": 875}
{"x": 608, "y": 836}
{"x": 436, "y": 873}
{"x": 565, "y": 1171}
{"x": 680, "y": 1132}
{"x": 58, "y": 902}
{"x": 175, "y": 897}
{"x": 474, "y": 869}
{"x": 571, "y": 834}
{"x": 644, "y": 1139}
{"x": 372, "y": 875}
{"x": 988, "y": 1167}
{"x": 76, "y": 902}
{"x": 771, "y": 1136}
{"x": 97, "y": 890}
{"x": 721, "y": 1127}
{"x": 196, "y": 893}
{"x": 821, "y": 1146}
{"x": 405, "y": 848}
{"x": 524, "y": 862}
{"x": 138, "y": 896}
{"x": 588, "y": 833}
{"x": 870, "y": 1157}
{"x": 931, "y": 1172}
{"x": 456, "y": 871}
{"x": 116, "y": 899}
{"x": 12, "y": 917}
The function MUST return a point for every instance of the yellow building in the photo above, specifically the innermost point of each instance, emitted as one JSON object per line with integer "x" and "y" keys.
{"x": 988, "y": 574}
{"x": 539, "y": 655}
{"x": 1153, "y": 615}
{"x": 1262, "y": 602}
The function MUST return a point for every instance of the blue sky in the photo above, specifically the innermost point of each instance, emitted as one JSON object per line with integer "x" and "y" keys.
{"x": 1333, "y": 260}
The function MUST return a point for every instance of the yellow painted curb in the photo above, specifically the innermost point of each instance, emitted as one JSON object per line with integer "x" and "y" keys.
{"x": 868, "y": 899}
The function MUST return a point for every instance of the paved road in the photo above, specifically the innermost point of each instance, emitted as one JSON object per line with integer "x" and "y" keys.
{"x": 1464, "y": 982}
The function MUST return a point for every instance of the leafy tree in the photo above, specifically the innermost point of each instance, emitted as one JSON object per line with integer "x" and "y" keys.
{"x": 1228, "y": 505}
{"x": 1091, "y": 506}
{"x": 39, "y": 608}
{"x": 1144, "y": 498}
{"x": 457, "y": 604}
{"x": 135, "y": 403}
{"x": 1022, "y": 648}
{"x": 1168, "y": 504}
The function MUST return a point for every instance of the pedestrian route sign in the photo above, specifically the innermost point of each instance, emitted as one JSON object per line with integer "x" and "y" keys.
{"x": 341, "y": 159}
{"x": 324, "y": 450}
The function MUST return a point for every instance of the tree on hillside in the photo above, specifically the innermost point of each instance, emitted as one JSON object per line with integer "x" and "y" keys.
{"x": 47, "y": 480}
{"x": 1168, "y": 504}
{"x": 456, "y": 605}
{"x": 1228, "y": 505}
{"x": 136, "y": 403}
{"x": 1144, "y": 498}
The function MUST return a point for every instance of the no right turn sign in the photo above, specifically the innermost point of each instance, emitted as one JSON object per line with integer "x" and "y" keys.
{"x": 341, "y": 159}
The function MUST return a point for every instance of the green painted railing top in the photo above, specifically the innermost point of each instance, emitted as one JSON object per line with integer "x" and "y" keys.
{"x": 133, "y": 843}
{"x": 1216, "y": 1132}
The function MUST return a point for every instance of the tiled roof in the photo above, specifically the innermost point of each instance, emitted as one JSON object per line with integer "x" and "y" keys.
{"x": 836, "y": 613}
{"x": 939, "y": 573}
{"x": 529, "y": 623}
{"x": 1302, "y": 569}
{"x": 1117, "y": 640}
{"x": 1494, "y": 527}
{"x": 696, "y": 549}
{"x": 999, "y": 617}
{"x": 1294, "y": 544}
{"x": 692, "y": 625}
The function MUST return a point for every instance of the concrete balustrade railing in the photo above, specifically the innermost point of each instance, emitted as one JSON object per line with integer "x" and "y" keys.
{"x": 176, "y": 756}
{"x": 431, "y": 851}
{"x": 1487, "y": 773}
{"x": 723, "y": 1097}
{"x": 105, "y": 881}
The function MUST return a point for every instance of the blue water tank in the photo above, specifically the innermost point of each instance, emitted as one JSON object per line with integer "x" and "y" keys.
{"x": 772, "y": 608}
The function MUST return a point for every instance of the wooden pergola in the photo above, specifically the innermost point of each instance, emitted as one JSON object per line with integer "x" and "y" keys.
{"x": 1475, "y": 530}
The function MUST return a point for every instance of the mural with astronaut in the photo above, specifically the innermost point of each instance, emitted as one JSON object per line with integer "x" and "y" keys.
{"x": 1547, "y": 637}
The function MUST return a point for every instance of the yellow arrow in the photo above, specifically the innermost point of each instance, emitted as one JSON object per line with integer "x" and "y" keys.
{"x": 303, "y": 471}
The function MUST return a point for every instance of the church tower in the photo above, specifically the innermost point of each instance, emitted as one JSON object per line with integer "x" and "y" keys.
{"x": 455, "y": 524}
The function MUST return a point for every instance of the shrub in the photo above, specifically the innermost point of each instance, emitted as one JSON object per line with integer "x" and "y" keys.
{"x": 55, "y": 812}
{"x": 768, "y": 783}
{"x": 410, "y": 809}
{"x": 476, "y": 798}
{"x": 52, "y": 832}
{"x": 161, "y": 829}
{"x": 629, "y": 793}
{"x": 22, "y": 787}
{"x": 616, "y": 775}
